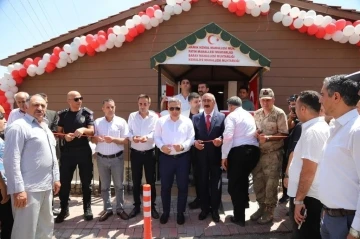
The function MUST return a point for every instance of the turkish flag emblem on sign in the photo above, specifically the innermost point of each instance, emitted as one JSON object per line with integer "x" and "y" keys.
{"x": 254, "y": 91}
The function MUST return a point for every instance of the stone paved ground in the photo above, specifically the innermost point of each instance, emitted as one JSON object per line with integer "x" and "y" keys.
{"x": 114, "y": 227}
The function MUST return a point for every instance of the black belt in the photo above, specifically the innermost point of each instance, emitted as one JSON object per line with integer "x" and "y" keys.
{"x": 338, "y": 212}
{"x": 175, "y": 155}
{"x": 142, "y": 152}
{"x": 110, "y": 156}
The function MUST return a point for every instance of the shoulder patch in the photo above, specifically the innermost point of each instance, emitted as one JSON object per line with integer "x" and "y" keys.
{"x": 62, "y": 111}
{"x": 88, "y": 110}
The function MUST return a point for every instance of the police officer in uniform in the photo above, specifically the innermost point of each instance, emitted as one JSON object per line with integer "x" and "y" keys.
{"x": 75, "y": 122}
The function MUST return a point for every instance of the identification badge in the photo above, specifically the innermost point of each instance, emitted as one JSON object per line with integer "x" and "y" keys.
{"x": 82, "y": 119}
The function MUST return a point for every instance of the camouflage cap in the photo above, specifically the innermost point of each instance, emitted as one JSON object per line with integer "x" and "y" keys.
{"x": 266, "y": 93}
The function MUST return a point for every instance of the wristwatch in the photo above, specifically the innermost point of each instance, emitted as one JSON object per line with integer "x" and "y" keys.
{"x": 298, "y": 202}
{"x": 354, "y": 233}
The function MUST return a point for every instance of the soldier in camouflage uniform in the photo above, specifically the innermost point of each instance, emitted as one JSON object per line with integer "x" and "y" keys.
{"x": 270, "y": 121}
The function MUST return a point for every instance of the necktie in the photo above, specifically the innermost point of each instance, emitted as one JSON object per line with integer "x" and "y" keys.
{"x": 208, "y": 122}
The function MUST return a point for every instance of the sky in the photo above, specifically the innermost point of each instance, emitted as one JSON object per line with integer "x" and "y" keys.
{"x": 24, "y": 23}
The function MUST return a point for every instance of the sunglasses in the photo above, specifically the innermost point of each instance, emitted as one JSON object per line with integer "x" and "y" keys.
{"x": 78, "y": 98}
{"x": 174, "y": 108}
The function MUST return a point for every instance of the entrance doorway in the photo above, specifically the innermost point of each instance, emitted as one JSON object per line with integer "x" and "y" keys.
{"x": 219, "y": 90}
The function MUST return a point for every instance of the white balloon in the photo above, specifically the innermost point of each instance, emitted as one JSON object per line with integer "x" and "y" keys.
{"x": 10, "y": 83}
{"x": 247, "y": 10}
{"x": 250, "y": 4}
{"x": 257, "y": 2}
{"x": 319, "y": 19}
{"x": 357, "y": 29}
{"x": 148, "y": 26}
{"x": 171, "y": 2}
{"x": 6, "y": 77}
{"x": 81, "y": 54}
{"x": 145, "y": 19}
{"x": 118, "y": 44}
{"x": 124, "y": 30}
{"x": 287, "y": 20}
{"x": 333, "y": 20}
{"x": 42, "y": 64}
{"x": 298, "y": 23}
{"x": 308, "y": 21}
{"x": 327, "y": 20}
{"x": 302, "y": 14}
{"x": 337, "y": 36}
{"x": 179, "y": 1}
{"x": 344, "y": 39}
{"x": 31, "y": 69}
{"x": 166, "y": 16}
{"x": 75, "y": 50}
{"x": 10, "y": 68}
{"x": 117, "y": 30}
{"x": 327, "y": 36}
{"x": 69, "y": 60}
{"x": 285, "y": 9}
{"x": 136, "y": 19}
{"x": 40, "y": 71}
{"x": 354, "y": 39}
{"x": 186, "y": 6}
{"x": 110, "y": 44}
{"x": 11, "y": 101}
{"x": 267, "y": 1}
{"x": 32, "y": 74}
{"x": 14, "y": 89}
{"x": 67, "y": 48}
{"x": 112, "y": 37}
{"x": 160, "y": 20}
{"x": 120, "y": 38}
{"x": 83, "y": 40}
{"x": 311, "y": 13}
{"x": 77, "y": 41}
{"x": 18, "y": 66}
{"x": 63, "y": 62}
{"x": 265, "y": 7}
{"x": 9, "y": 94}
{"x": 255, "y": 12}
{"x": 235, "y": 1}
{"x": 278, "y": 17}
{"x": 349, "y": 30}
{"x": 129, "y": 23}
{"x": 73, "y": 57}
{"x": 158, "y": 14}
{"x": 169, "y": 9}
{"x": 103, "y": 48}
{"x": 63, "y": 55}
{"x": 294, "y": 12}
{"x": 154, "y": 22}
{"x": 177, "y": 9}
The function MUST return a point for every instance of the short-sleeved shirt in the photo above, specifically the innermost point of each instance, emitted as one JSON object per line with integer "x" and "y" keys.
{"x": 275, "y": 122}
{"x": 70, "y": 121}
{"x": 248, "y": 105}
{"x": 185, "y": 105}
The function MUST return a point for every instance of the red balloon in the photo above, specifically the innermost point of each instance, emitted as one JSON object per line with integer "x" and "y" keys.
{"x": 240, "y": 13}
{"x": 133, "y": 32}
{"x": 241, "y": 5}
{"x": 303, "y": 29}
{"x": 194, "y": 0}
{"x": 91, "y": 53}
{"x": 54, "y": 59}
{"x": 232, "y": 7}
{"x": 150, "y": 12}
{"x": 57, "y": 50}
{"x": 156, "y": 7}
{"x": 340, "y": 24}
{"x": 356, "y": 23}
{"x": 220, "y": 3}
{"x": 18, "y": 80}
{"x": 101, "y": 39}
{"x": 50, "y": 67}
{"x": 2, "y": 92}
{"x": 15, "y": 73}
{"x": 348, "y": 23}
{"x": 2, "y": 99}
{"x": 22, "y": 72}
{"x": 330, "y": 28}
{"x": 36, "y": 60}
{"x": 312, "y": 30}
{"x": 321, "y": 33}
{"x": 89, "y": 49}
{"x": 28, "y": 62}
{"x": 6, "y": 106}
{"x": 89, "y": 38}
{"x": 102, "y": 33}
{"x": 264, "y": 13}
{"x": 110, "y": 30}
{"x": 214, "y": 0}
{"x": 82, "y": 49}
{"x": 128, "y": 38}
{"x": 95, "y": 44}
{"x": 292, "y": 26}
{"x": 141, "y": 13}
{"x": 140, "y": 28}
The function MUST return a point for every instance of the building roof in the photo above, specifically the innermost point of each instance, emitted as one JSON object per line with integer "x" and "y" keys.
{"x": 306, "y": 4}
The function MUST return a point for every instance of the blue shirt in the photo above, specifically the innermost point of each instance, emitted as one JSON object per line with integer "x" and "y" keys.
{"x": 248, "y": 105}
{"x": 30, "y": 158}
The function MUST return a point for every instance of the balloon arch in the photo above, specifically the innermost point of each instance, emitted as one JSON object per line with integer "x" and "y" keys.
{"x": 323, "y": 27}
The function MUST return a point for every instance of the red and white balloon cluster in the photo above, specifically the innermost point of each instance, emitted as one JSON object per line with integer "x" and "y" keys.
{"x": 87, "y": 45}
{"x": 323, "y": 27}
{"x": 240, "y": 7}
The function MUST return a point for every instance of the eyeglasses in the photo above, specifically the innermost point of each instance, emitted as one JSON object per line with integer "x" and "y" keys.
{"x": 78, "y": 98}
{"x": 174, "y": 108}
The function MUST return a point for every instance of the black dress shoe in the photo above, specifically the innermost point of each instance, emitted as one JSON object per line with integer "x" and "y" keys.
{"x": 237, "y": 221}
{"x": 62, "y": 215}
{"x": 215, "y": 216}
{"x": 123, "y": 215}
{"x": 88, "y": 215}
{"x": 180, "y": 218}
{"x": 164, "y": 218}
{"x": 154, "y": 213}
{"x": 105, "y": 216}
{"x": 203, "y": 215}
{"x": 284, "y": 199}
{"x": 195, "y": 204}
{"x": 134, "y": 212}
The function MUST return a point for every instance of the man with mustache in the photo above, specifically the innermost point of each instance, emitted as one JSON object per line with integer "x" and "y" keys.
{"x": 20, "y": 99}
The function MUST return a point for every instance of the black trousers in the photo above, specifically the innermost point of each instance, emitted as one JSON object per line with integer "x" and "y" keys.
{"x": 139, "y": 161}
{"x": 311, "y": 226}
{"x": 209, "y": 176}
{"x": 241, "y": 161}
{"x": 284, "y": 165}
{"x": 70, "y": 158}
{"x": 6, "y": 219}
{"x": 195, "y": 170}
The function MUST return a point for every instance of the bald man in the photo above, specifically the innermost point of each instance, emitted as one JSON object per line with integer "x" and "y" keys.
{"x": 76, "y": 123}
{"x": 20, "y": 99}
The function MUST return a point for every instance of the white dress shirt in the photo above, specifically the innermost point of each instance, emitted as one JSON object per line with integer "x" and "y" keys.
{"x": 239, "y": 130}
{"x": 14, "y": 115}
{"x": 185, "y": 105}
{"x": 339, "y": 170}
{"x": 139, "y": 126}
{"x": 117, "y": 128}
{"x": 314, "y": 134}
{"x": 169, "y": 132}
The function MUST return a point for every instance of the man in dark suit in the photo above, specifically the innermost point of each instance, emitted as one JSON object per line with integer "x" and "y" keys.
{"x": 209, "y": 127}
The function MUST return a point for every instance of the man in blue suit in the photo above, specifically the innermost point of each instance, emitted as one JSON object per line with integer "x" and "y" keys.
{"x": 209, "y": 127}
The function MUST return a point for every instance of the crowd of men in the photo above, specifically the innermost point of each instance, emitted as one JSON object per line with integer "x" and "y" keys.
{"x": 319, "y": 164}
